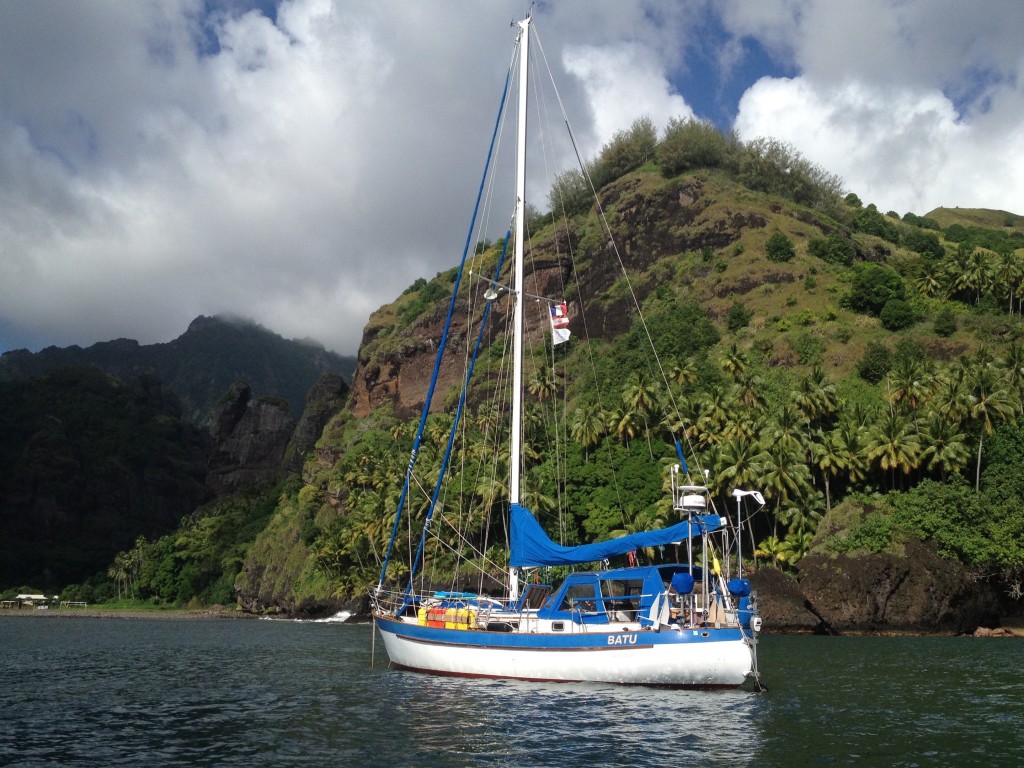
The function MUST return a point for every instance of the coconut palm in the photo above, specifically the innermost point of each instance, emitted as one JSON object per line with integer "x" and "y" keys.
{"x": 851, "y": 440}
{"x": 734, "y": 362}
{"x": 951, "y": 397}
{"x": 1007, "y": 273}
{"x": 741, "y": 463}
{"x": 789, "y": 429}
{"x": 640, "y": 397}
{"x": 1013, "y": 367}
{"x": 795, "y": 546}
{"x": 683, "y": 373}
{"x": 816, "y": 396}
{"x": 932, "y": 281}
{"x": 786, "y": 475}
{"x": 829, "y": 456}
{"x": 622, "y": 422}
{"x": 587, "y": 427}
{"x": 973, "y": 271}
{"x": 749, "y": 390}
{"x": 908, "y": 383}
{"x": 990, "y": 404}
{"x": 945, "y": 446}
{"x": 541, "y": 383}
{"x": 894, "y": 443}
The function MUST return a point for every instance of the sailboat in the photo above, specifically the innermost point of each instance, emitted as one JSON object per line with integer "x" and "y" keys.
{"x": 690, "y": 624}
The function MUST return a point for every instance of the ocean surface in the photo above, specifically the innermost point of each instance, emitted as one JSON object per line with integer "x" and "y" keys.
{"x": 223, "y": 692}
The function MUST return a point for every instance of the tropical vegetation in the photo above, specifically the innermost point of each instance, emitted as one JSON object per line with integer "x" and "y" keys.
{"x": 865, "y": 371}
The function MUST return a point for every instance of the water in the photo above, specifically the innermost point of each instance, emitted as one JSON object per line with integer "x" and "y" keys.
{"x": 151, "y": 692}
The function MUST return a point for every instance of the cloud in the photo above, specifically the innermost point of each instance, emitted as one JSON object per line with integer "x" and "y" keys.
{"x": 623, "y": 83}
{"x": 914, "y": 104}
{"x": 305, "y": 164}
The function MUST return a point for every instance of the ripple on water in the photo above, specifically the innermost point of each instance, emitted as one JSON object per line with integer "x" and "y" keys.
{"x": 230, "y": 693}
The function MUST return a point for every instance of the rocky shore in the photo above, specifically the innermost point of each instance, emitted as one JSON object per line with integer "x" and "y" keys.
{"x": 919, "y": 592}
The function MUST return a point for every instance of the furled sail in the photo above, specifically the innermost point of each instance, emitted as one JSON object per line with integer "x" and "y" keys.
{"x": 532, "y": 547}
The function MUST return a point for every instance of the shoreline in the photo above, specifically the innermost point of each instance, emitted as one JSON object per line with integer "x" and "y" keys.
{"x": 170, "y": 614}
{"x": 1014, "y": 627}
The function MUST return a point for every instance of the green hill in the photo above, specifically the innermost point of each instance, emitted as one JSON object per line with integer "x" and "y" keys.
{"x": 862, "y": 369}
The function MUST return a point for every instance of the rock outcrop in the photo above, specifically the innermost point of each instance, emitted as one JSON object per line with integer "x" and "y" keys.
{"x": 326, "y": 398}
{"x": 250, "y": 437}
{"x": 920, "y": 591}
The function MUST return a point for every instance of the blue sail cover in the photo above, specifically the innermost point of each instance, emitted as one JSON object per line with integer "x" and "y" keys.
{"x": 532, "y": 547}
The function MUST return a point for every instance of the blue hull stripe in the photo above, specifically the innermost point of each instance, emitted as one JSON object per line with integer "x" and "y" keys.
{"x": 595, "y": 641}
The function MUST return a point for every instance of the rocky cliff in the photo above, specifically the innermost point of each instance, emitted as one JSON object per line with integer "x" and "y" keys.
{"x": 250, "y": 436}
{"x": 919, "y": 591}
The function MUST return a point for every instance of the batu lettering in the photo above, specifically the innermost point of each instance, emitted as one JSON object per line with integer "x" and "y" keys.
{"x": 622, "y": 639}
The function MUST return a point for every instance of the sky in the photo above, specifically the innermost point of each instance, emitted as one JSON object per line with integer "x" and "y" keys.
{"x": 303, "y": 162}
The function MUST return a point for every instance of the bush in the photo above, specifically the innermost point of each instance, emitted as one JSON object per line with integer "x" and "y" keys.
{"x": 690, "y": 144}
{"x": 570, "y": 192}
{"x": 945, "y": 322}
{"x": 808, "y": 348}
{"x": 834, "y": 249}
{"x": 873, "y": 286}
{"x": 876, "y": 362}
{"x": 779, "y": 248}
{"x": 909, "y": 350}
{"x": 926, "y": 243}
{"x": 870, "y": 221}
{"x": 777, "y": 168}
{"x": 897, "y": 315}
{"x": 739, "y": 317}
{"x": 627, "y": 151}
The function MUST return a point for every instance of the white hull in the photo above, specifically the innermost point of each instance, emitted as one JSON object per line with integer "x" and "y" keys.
{"x": 707, "y": 663}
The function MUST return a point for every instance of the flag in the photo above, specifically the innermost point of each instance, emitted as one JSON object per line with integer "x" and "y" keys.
{"x": 559, "y": 323}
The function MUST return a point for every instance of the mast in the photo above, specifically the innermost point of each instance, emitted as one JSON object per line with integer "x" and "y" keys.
{"x": 515, "y": 441}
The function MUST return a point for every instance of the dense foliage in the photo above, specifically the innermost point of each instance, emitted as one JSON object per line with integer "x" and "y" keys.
{"x": 86, "y": 464}
{"x": 809, "y": 346}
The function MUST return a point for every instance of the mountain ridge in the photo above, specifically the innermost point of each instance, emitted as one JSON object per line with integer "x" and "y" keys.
{"x": 201, "y": 364}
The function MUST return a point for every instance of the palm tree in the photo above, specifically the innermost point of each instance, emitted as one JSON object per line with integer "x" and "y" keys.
{"x": 749, "y": 390}
{"x": 719, "y": 406}
{"x": 587, "y": 426}
{"x": 1013, "y": 365}
{"x": 894, "y": 443}
{"x": 771, "y": 549}
{"x": 795, "y": 546}
{"x": 932, "y": 281}
{"x": 789, "y": 429}
{"x": 683, "y": 373}
{"x": 640, "y": 397}
{"x": 541, "y": 384}
{"x": 945, "y": 446}
{"x": 990, "y": 402}
{"x": 972, "y": 270}
{"x": 816, "y": 396}
{"x": 908, "y": 383}
{"x": 851, "y": 439}
{"x": 786, "y": 475}
{"x": 950, "y": 396}
{"x": 622, "y": 422}
{"x": 734, "y": 362}
{"x": 1007, "y": 272}
{"x": 828, "y": 455}
{"x": 741, "y": 463}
